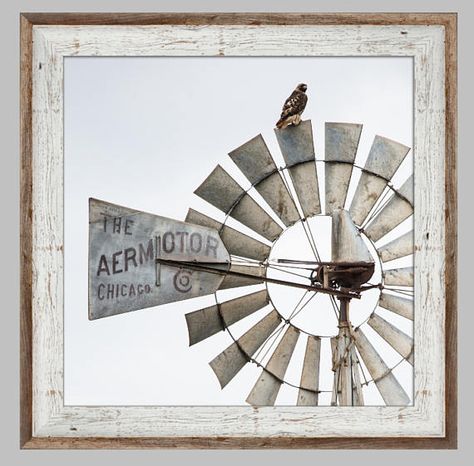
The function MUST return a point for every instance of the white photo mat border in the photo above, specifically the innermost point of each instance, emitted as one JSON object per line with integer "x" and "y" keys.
{"x": 51, "y": 418}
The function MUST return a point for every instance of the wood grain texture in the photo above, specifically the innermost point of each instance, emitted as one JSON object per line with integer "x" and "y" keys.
{"x": 57, "y": 426}
{"x": 451, "y": 245}
{"x": 256, "y": 19}
{"x": 241, "y": 443}
{"x": 48, "y": 233}
{"x": 26, "y": 239}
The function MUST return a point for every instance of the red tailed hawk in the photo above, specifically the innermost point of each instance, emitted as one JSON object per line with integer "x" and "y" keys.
{"x": 293, "y": 107}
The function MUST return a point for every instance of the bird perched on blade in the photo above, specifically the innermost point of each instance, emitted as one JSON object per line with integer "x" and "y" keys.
{"x": 293, "y": 107}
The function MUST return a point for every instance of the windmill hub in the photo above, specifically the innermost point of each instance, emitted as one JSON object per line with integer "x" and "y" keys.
{"x": 317, "y": 317}
{"x": 350, "y": 276}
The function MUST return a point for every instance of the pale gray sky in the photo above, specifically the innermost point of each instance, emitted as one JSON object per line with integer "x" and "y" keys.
{"x": 144, "y": 133}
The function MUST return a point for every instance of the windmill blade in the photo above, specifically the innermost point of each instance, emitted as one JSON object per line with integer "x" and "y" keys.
{"x": 227, "y": 364}
{"x": 124, "y": 245}
{"x": 399, "y": 277}
{"x": 384, "y": 158}
{"x": 296, "y": 145}
{"x": 341, "y": 142}
{"x": 309, "y": 384}
{"x": 208, "y": 321}
{"x": 266, "y": 388}
{"x": 347, "y": 243}
{"x": 400, "y": 247}
{"x": 223, "y": 192}
{"x": 337, "y": 176}
{"x": 235, "y": 242}
{"x": 395, "y": 212}
{"x": 399, "y": 341}
{"x": 368, "y": 190}
{"x": 397, "y": 304}
{"x": 256, "y": 163}
{"x": 387, "y": 384}
{"x": 305, "y": 182}
{"x": 232, "y": 281}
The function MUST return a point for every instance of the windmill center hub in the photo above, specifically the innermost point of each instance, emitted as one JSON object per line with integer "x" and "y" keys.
{"x": 293, "y": 257}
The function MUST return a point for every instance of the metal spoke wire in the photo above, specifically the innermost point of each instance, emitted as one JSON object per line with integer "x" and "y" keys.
{"x": 312, "y": 238}
{"x": 279, "y": 328}
{"x": 280, "y": 264}
{"x": 409, "y": 293}
{"x": 287, "y": 271}
{"x": 274, "y": 338}
{"x": 383, "y": 201}
{"x": 294, "y": 314}
{"x": 335, "y": 307}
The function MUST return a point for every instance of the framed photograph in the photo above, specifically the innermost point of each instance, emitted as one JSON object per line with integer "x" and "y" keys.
{"x": 238, "y": 230}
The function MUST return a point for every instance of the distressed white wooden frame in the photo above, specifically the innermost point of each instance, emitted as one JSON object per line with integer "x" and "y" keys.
{"x": 51, "y": 418}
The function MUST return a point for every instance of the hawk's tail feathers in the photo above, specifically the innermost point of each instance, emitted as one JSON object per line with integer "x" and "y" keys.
{"x": 280, "y": 123}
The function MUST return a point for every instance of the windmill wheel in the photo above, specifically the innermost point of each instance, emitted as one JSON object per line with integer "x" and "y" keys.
{"x": 292, "y": 197}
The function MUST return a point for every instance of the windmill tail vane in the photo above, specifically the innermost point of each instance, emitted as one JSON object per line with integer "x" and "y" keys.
{"x": 139, "y": 260}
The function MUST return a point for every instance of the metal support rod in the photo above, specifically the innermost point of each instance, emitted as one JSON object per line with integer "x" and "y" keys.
{"x": 206, "y": 267}
{"x": 347, "y": 389}
{"x": 344, "y": 310}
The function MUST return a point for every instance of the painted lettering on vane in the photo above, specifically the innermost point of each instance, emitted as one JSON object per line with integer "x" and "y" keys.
{"x": 182, "y": 280}
{"x": 171, "y": 242}
{"x": 183, "y": 242}
{"x": 122, "y": 290}
{"x": 117, "y": 225}
{"x": 129, "y": 259}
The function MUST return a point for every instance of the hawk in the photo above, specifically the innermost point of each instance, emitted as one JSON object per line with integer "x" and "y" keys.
{"x": 293, "y": 107}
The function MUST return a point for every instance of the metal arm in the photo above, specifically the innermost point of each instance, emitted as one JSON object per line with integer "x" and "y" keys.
{"x": 208, "y": 267}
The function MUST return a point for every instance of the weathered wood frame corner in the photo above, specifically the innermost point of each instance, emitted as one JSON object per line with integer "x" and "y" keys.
{"x": 45, "y": 39}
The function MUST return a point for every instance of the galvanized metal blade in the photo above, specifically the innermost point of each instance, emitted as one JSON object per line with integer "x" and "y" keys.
{"x": 236, "y": 242}
{"x": 401, "y": 306}
{"x": 342, "y": 140}
{"x": 368, "y": 190}
{"x": 275, "y": 193}
{"x": 397, "y": 209}
{"x": 305, "y": 182}
{"x": 232, "y": 281}
{"x": 248, "y": 212}
{"x": 124, "y": 245}
{"x": 309, "y": 384}
{"x": 208, "y": 321}
{"x": 399, "y": 247}
{"x": 399, "y": 341}
{"x": 384, "y": 158}
{"x": 337, "y": 179}
{"x": 347, "y": 243}
{"x": 227, "y": 364}
{"x": 392, "y": 392}
{"x": 223, "y": 192}
{"x": 265, "y": 390}
{"x": 297, "y": 148}
{"x": 399, "y": 277}
{"x": 256, "y": 163}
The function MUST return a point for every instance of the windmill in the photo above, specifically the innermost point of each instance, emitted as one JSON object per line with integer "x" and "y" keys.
{"x": 139, "y": 260}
